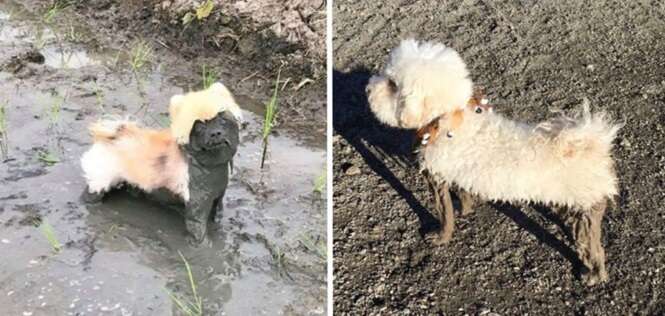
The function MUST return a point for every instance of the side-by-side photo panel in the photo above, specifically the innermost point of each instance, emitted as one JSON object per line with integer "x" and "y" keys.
{"x": 497, "y": 158}
{"x": 163, "y": 157}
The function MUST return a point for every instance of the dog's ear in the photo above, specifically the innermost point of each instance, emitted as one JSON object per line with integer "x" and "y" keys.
{"x": 175, "y": 104}
{"x": 178, "y": 130}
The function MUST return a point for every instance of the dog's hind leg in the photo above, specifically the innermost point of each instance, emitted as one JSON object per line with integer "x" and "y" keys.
{"x": 217, "y": 210}
{"x": 586, "y": 230}
{"x": 197, "y": 213}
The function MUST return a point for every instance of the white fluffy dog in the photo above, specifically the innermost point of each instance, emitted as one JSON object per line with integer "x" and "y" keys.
{"x": 564, "y": 162}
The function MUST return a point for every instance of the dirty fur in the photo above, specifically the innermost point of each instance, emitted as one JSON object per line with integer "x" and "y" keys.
{"x": 123, "y": 151}
{"x": 563, "y": 162}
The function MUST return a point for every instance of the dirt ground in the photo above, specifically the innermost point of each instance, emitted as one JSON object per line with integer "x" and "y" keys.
{"x": 532, "y": 57}
{"x": 121, "y": 257}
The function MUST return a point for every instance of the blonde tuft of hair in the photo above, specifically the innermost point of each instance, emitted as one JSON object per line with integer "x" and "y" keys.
{"x": 186, "y": 109}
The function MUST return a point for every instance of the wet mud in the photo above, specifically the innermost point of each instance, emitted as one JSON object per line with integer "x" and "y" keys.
{"x": 532, "y": 58}
{"x": 121, "y": 257}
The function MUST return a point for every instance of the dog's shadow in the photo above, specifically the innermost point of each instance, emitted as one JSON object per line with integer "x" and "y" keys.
{"x": 353, "y": 121}
{"x": 543, "y": 236}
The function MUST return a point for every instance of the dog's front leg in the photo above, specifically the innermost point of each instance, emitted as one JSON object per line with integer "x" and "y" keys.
{"x": 197, "y": 212}
{"x": 446, "y": 215}
{"x": 468, "y": 201}
{"x": 217, "y": 210}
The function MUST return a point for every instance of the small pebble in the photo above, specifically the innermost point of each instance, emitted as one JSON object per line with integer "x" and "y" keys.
{"x": 352, "y": 171}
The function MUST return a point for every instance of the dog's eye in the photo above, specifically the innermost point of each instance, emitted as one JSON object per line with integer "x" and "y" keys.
{"x": 479, "y": 110}
{"x": 449, "y": 134}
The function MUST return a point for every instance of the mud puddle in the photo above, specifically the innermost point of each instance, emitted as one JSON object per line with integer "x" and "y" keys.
{"x": 121, "y": 257}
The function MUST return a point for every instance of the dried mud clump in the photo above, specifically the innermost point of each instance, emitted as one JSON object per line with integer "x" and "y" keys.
{"x": 299, "y": 22}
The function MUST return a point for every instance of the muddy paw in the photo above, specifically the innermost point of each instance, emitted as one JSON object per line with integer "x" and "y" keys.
{"x": 594, "y": 277}
{"x": 192, "y": 241}
{"x": 438, "y": 238}
{"x": 466, "y": 212}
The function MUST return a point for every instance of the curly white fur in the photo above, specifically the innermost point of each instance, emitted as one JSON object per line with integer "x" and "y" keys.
{"x": 565, "y": 161}
{"x": 431, "y": 79}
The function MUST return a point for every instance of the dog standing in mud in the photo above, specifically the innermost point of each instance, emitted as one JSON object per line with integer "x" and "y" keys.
{"x": 564, "y": 162}
{"x": 189, "y": 161}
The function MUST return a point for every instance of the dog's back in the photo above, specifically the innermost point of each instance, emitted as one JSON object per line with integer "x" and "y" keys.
{"x": 124, "y": 152}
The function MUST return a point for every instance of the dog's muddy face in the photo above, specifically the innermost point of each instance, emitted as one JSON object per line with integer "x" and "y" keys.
{"x": 214, "y": 141}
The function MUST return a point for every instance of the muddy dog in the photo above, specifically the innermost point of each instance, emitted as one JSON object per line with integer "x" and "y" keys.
{"x": 564, "y": 162}
{"x": 186, "y": 165}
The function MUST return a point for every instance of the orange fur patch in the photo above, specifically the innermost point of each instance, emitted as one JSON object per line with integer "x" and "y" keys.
{"x": 150, "y": 158}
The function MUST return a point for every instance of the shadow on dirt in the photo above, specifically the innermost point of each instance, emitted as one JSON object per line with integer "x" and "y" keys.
{"x": 354, "y": 122}
{"x": 543, "y": 236}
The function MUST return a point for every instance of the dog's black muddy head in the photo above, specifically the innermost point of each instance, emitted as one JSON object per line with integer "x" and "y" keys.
{"x": 214, "y": 141}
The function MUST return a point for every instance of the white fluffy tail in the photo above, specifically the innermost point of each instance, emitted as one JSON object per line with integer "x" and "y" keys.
{"x": 584, "y": 133}
{"x": 109, "y": 130}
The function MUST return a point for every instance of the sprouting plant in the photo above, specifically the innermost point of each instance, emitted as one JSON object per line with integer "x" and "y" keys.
{"x": 53, "y": 111}
{"x": 54, "y": 10}
{"x": 48, "y": 157}
{"x": 189, "y": 306}
{"x": 3, "y": 132}
{"x": 73, "y": 35}
{"x": 208, "y": 77}
{"x": 317, "y": 247}
{"x": 201, "y": 12}
{"x": 279, "y": 259}
{"x": 99, "y": 94}
{"x": 140, "y": 55}
{"x": 320, "y": 182}
{"x": 48, "y": 232}
{"x": 269, "y": 120}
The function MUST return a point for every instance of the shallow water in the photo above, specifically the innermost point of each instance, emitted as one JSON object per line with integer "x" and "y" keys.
{"x": 121, "y": 257}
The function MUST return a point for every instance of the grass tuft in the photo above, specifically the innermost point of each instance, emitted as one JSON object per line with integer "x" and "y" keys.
{"x": 48, "y": 157}
{"x": 318, "y": 247}
{"x": 320, "y": 182}
{"x": 193, "y": 306}
{"x": 48, "y": 232}
{"x": 140, "y": 55}
{"x": 208, "y": 77}
{"x": 269, "y": 119}
{"x": 54, "y": 10}
{"x": 279, "y": 259}
{"x": 53, "y": 111}
{"x": 200, "y": 13}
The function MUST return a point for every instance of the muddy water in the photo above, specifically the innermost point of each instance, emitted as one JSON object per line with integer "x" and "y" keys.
{"x": 121, "y": 257}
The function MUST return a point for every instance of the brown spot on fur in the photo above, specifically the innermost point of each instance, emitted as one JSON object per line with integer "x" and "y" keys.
{"x": 160, "y": 162}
